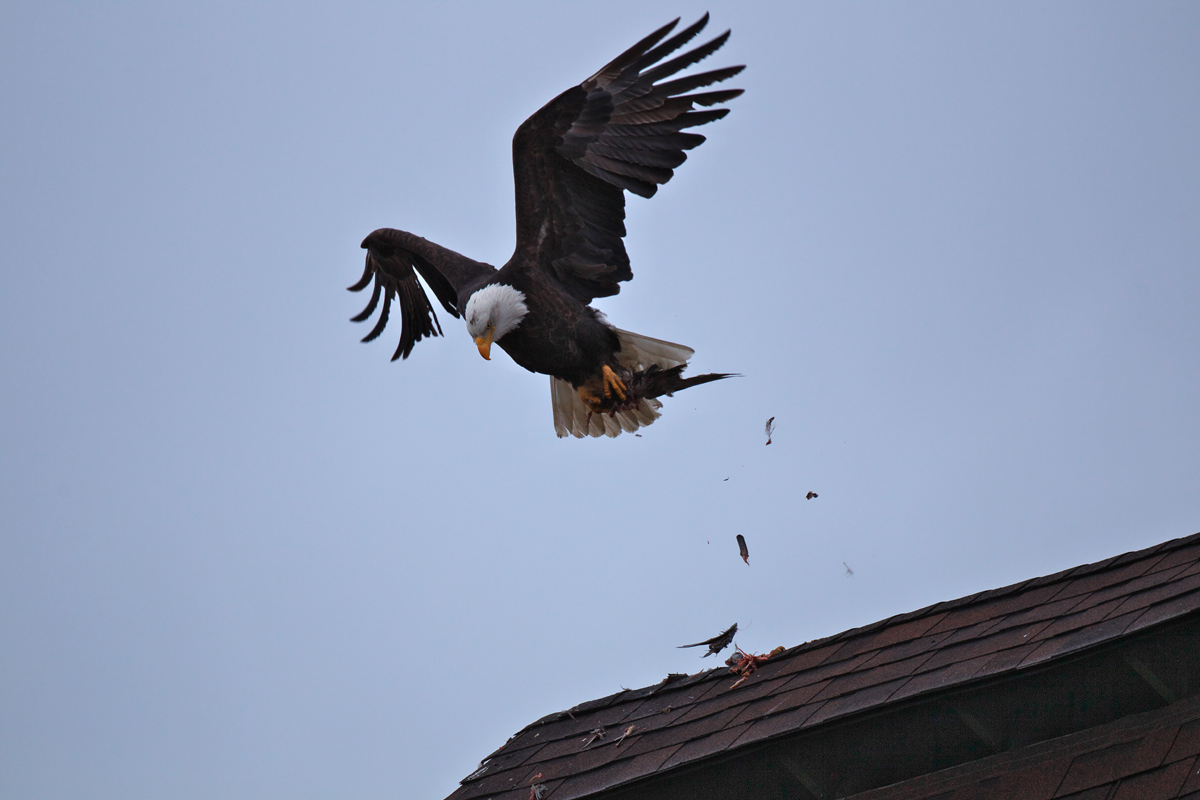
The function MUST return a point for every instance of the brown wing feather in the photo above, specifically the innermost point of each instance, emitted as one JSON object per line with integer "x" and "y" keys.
{"x": 393, "y": 260}
{"x": 623, "y": 129}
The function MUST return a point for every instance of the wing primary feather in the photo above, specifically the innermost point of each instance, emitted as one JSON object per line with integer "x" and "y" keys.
{"x": 401, "y": 350}
{"x": 667, "y": 159}
{"x": 665, "y": 109}
{"x": 368, "y": 271}
{"x": 405, "y": 345}
{"x": 370, "y": 309}
{"x": 436, "y": 323}
{"x": 712, "y": 98}
{"x": 684, "y": 61}
{"x": 617, "y": 65}
{"x": 688, "y": 83}
{"x": 649, "y": 130}
{"x": 441, "y": 287}
{"x": 383, "y": 317}
{"x": 629, "y": 184}
{"x": 660, "y": 99}
{"x": 645, "y": 173}
{"x": 408, "y": 323}
{"x": 674, "y": 43}
{"x": 662, "y": 141}
{"x": 693, "y": 118}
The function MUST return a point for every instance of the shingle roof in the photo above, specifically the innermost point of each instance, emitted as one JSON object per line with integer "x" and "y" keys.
{"x": 688, "y": 718}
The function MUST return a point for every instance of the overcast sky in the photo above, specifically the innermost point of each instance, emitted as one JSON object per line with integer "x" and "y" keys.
{"x": 953, "y": 248}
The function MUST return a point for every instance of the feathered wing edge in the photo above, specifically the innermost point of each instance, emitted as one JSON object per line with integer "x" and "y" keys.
{"x": 622, "y": 129}
{"x": 417, "y": 317}
{"x": 394, "y": 258}
{"x": 640, "y": 142}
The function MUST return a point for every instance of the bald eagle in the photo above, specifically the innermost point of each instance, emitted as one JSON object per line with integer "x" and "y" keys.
{"x": 623, "y": 129}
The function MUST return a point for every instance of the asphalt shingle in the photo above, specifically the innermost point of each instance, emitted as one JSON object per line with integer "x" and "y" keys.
{"x": 683, "y": 720}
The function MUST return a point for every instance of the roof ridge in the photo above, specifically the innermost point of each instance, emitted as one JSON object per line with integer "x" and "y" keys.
{"x": 945, "y": 626}
{"x": 1002, "y": 591}
{"x": 907, "y": 616}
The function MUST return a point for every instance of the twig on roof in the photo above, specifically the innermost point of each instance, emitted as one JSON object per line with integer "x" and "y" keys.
{"x": 593, "y": 735}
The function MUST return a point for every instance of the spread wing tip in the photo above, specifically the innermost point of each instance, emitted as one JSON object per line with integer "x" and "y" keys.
{"x": 363, "y": 281}
{"x": 395, "y": 277}
{"x": 624, "y": 129}
{"x": 370, "y": 309}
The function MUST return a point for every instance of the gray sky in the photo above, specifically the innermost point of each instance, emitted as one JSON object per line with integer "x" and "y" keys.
{"x": 953, "y": 248}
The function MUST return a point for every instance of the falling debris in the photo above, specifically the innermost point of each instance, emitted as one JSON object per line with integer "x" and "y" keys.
{"x": 810, "y": 495}
{"x": 715, "y": 644}
{"x": 770, "y": 429}
{"x": 743, "y": 550}
{"x": 638, "y": 435}
{"x": 727, "y": 479}
{"x": 849, "y": 571}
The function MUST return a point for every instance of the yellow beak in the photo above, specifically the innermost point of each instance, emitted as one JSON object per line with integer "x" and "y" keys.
{"x": 484, "y": 343}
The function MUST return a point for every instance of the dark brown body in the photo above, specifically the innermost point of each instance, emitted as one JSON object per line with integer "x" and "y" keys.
{"x": 560, "y": 336}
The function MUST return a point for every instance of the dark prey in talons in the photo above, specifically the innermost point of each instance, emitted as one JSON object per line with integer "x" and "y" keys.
{"x": 715, "y": 644}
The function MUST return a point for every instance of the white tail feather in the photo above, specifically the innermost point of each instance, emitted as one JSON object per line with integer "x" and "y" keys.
{"x": 640, "y": 352}
{"x": 571, "y": 415}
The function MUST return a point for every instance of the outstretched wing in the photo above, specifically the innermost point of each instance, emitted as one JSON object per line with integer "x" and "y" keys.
{"x": 393, "y": 260}
{"x": 621, "y": 129}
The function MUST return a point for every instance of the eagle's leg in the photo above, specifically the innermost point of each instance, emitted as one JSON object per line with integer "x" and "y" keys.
{"x": 593, "y": 401}
{"x": 612, "y": 383}
{"x": 606, "y": 393}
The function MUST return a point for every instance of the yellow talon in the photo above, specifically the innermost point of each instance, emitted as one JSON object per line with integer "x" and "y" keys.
{"x": 612, "y": 383}
{"x": 590, "y": 399}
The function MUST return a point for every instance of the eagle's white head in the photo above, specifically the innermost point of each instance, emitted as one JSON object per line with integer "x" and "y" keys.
{"x": 493, "y": 311}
